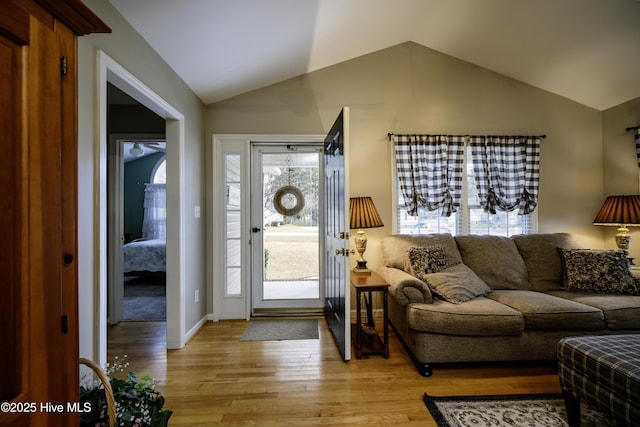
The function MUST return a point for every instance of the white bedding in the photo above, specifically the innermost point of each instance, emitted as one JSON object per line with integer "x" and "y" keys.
{"x": 146, "y": 255}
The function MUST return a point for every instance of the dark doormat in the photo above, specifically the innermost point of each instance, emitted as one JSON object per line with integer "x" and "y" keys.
{"x": 278, "y": 330}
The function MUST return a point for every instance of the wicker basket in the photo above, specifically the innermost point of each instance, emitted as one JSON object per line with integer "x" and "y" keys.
{"x": 111, "y": 402}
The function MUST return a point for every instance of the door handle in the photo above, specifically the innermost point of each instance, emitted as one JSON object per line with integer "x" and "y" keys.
{"x": 255, "y": 229}
{"x": 344, "y": 252}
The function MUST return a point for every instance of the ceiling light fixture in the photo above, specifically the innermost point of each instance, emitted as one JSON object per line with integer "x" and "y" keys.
{"x": 136, "y": 150}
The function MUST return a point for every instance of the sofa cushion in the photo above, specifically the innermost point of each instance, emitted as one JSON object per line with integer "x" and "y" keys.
{"x": 495, "y": 259}
{"x": 543, "y": 261}
{"x": 546, "y": 312}
{"x": 478, "y": 317}
{"x": 395, "y": 248}
{"x": 620, "y": 311}
{"x": 588, "y": 270}
{"x": 455, "y": 284}
{"x": 427, "y": 260}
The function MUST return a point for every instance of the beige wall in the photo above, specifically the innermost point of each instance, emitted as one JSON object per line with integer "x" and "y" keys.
{"x": 621, "y": 172}
{"x": 412, "y": 89}
{"x": 406, "y": 88}
{"x": 129, "y": 50}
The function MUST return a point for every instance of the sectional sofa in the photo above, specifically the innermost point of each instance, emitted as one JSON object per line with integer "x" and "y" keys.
{"x": 490, "y": 298}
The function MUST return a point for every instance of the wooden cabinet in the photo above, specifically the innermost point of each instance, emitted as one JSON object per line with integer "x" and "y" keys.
{"x": 38, "y": 203}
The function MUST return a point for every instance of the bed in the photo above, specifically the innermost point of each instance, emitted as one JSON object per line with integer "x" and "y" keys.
{"x": 145, "y": 256}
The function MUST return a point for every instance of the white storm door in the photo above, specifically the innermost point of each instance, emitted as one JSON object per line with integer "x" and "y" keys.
{"x": 286, "y": 212}
{"x": 336, "y": 234}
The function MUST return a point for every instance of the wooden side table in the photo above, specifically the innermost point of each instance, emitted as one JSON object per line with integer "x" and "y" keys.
{"x": 371, "y": 344}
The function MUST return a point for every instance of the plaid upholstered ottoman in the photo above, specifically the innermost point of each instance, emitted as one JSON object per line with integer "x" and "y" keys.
{"x": 603, "y": 372}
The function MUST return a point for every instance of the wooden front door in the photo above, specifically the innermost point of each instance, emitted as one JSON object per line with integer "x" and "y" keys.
{"x": 336, "y": 234}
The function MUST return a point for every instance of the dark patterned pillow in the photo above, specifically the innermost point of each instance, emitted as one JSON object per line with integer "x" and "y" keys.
{"x": 427, "y": 260}
{"x": 600, "y": 271}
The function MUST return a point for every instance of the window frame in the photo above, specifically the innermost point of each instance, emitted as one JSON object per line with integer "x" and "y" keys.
{"x": 156, "y": 167}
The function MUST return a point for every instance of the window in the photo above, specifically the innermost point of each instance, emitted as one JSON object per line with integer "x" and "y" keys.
{"x": 159, "y": 174}
{"x": 154, "y": 222}
{"x": 233, "y": 234}
{"x": 469, "y": 218}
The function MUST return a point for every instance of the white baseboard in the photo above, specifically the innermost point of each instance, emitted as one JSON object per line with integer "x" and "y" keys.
{"x": 191, "y": 332}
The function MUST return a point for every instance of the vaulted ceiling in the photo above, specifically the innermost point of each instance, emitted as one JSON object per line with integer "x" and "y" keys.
{"x": 585, "y": 50}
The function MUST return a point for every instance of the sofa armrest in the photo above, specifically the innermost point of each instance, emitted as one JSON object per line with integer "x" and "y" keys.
{"x": 405, "y": 288}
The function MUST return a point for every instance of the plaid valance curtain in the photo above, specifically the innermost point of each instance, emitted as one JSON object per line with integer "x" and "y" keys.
{"x": 638, "y": 144}
{"x": 507, "y": 171}
{"x": 430, "y": 171}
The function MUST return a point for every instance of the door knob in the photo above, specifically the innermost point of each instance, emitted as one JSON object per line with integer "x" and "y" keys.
{"x": 344, "y": 252}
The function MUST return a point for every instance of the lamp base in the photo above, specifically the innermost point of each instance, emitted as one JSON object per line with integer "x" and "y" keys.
{"x": 623, "y": 238}
{"x": 361, "y": 268}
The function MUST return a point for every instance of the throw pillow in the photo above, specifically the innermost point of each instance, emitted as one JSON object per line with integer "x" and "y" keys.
{"x": 600, "y": 271}
{"x": 427, "y": 260}
{"x": 456, "y": 284}
{"x": 395, "y": 248}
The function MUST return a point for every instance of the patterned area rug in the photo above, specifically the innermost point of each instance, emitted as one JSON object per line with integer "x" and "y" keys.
{"x": 530, "y": 410}
{"x": 277, "y": 330}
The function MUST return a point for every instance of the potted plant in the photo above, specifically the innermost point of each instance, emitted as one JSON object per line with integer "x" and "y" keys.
{"x": 137, "y": 402}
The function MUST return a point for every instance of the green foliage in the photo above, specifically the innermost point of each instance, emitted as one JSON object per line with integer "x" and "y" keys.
{"x": 138, "y": 403}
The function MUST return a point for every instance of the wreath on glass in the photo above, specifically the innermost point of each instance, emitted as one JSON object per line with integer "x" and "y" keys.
{"x": 281, "y": 199}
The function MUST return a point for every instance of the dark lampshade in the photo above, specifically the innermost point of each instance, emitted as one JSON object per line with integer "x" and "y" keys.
{"x": 363, "y": 213}
{"x": 619, "y": 210}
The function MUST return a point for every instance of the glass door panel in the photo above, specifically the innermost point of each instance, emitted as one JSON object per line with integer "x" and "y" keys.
{"x": 233, "y": 261}
{"x": 286, "y": 211}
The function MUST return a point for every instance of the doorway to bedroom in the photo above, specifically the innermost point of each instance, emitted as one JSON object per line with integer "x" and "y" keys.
{"x": 145, "y": 223}
{"x": 136, "y": 202}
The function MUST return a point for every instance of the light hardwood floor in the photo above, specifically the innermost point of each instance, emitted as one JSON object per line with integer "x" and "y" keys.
{"x": 216, "y": 380}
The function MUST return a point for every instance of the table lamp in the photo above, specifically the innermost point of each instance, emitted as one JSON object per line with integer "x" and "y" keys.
{"x": 362, "y": 214}
{"x": 621, "y": 211}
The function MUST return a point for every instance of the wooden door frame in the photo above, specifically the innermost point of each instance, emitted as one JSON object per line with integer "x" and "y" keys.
{"x": 110, "y": 71}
